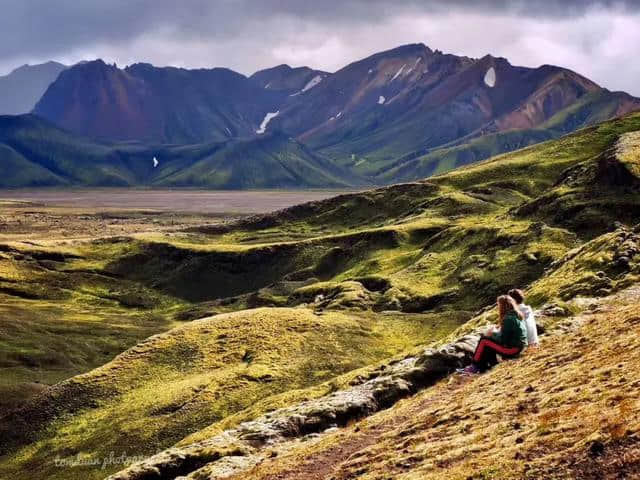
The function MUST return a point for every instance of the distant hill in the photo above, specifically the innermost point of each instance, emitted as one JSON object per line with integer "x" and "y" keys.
{"x": 36, "y": 153}
{"x": 22, "y": 88}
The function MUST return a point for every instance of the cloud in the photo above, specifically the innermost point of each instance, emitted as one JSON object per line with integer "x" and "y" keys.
{"x": 595, "y": 38}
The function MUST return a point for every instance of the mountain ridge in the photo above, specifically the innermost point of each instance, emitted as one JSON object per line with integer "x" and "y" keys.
{"x": 40, "y": 154}
{"x": 397, "y": 115}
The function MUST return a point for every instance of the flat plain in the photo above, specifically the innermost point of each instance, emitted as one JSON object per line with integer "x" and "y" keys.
{"x": 39, "y": 214}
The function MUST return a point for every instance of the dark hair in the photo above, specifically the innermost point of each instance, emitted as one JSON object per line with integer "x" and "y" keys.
{"x": 517, "y": 295}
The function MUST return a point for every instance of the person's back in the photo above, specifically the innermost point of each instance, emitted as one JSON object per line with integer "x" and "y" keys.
{"x": 527, "y": 315}
{"x": 513, "y": 332}
{"x": 530, "y": 324}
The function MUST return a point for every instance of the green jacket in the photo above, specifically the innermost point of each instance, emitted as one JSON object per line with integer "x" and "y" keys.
{"x": 513, "y": 332}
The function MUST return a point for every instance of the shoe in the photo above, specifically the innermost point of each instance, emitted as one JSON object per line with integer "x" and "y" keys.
{"x": 469, "y": 370}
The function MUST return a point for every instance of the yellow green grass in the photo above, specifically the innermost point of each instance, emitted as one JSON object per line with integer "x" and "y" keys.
{"x": 566, "y": 410}
{"x": 177, "y": 383}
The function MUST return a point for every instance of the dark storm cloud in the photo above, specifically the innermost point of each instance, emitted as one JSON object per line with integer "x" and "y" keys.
{"x": 592, "y": 37}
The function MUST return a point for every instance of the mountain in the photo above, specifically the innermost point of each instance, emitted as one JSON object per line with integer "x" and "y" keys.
{"x": 376, "y": 114}
{"x": 319, "y": 341}
{"x": 36, "y": 153}
{"x": 291, "y": 81}
{"x": 23, "y": 87}
{"x": 398, "y": 115}
{"x": 152, "y": 104}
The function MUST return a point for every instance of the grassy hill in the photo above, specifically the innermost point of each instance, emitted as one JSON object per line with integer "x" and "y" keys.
{"x": 313, "y": 303}
{"x": 567, "y": 410}
{"x": 35, "y": 153}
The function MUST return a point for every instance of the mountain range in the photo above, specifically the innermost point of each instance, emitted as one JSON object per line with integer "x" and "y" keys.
{"x": 398, "y": 115}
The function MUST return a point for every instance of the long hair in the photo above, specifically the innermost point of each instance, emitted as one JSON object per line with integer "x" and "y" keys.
{"x": 506, "y": 304}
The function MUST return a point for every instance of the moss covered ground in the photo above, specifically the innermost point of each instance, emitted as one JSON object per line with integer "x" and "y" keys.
{"x": 568, "y": 410}
{"x": 177, "y": 383}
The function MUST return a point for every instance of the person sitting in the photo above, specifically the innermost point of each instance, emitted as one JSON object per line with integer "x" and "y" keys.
{"x": 508, "y": 342}
{"x": 529, "y": 317}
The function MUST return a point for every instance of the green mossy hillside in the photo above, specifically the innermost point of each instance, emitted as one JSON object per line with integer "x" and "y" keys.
{"x": 174, "y": 384}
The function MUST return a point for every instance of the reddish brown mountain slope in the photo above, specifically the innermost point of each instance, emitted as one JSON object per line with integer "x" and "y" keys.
{"x": 147, "y": 103}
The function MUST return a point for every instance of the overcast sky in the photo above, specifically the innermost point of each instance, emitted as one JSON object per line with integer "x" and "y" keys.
{"x": 600, "y": 39}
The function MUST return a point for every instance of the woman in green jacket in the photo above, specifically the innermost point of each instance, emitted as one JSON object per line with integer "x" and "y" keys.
{"x": 508, "y": 341}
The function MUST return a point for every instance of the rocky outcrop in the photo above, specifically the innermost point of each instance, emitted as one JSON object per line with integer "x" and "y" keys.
{"x": 381, "y": 389}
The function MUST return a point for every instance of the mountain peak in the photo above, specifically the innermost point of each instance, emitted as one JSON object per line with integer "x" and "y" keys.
{"x": 38, "y": 66}
{"x": 408, "y": 49}
{"x": 21, "y": 89}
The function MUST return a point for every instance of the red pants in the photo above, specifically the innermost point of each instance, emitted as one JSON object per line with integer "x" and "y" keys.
{"x": 485, "y": 354}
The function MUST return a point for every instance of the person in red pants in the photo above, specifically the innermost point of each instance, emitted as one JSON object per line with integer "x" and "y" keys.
{"x": 507, "y": 342}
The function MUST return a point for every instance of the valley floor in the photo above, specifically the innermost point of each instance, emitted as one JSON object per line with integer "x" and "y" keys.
{"x": 62, "y": 214}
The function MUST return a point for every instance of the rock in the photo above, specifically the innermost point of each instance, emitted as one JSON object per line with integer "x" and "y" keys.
{"x": 619, "y": 226}
{"x": 531, "y": 258}
{"x": 623, "y": 262}
{"x": 630, "y": 246}
{"x": 536, "y": 228}
{"x": 596, "y": 448}
{"x": 552, "y": 310}
{"x": 529, "y": 389}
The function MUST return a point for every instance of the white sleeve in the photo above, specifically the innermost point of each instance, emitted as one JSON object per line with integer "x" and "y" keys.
{"x": 532, "y": 329}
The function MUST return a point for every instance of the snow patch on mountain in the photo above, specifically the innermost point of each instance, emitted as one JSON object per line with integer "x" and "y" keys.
{"x": 312, "y": 83}
{"x": 155, "y": 162}
{"x": 381, "y": 100}
{"x": 490, "y": 77}
{"x": 399, "y": 72}
{"x": 267, "y": 118}
{"x": 370, "y": 71}
{"x": 339, "y": 115}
